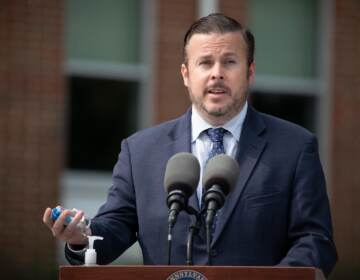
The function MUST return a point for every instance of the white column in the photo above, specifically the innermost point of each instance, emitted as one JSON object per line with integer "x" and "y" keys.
{"x": 206, "y": 7}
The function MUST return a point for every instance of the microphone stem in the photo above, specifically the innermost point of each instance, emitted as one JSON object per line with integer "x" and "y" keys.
{"x": 189, "y": 246}
{"x": 209, "y": 220}
{"x": 194, "y": 229}
{"x": 169, "y": 243}
{"x": 208, "y": 242}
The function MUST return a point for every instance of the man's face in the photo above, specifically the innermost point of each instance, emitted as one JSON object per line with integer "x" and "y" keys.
{"x": 217, "y": 75}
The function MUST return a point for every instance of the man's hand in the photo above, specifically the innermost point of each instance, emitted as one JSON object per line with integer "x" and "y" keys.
{"x": 70, "y": 233}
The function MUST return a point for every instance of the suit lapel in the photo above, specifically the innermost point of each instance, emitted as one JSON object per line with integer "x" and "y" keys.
{"x": 180, "y": 136}
{"x": 250, "y": 149}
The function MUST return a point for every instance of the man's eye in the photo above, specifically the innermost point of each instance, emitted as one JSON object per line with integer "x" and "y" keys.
{"x": 230, "y": 61}
{"x": 205, "y": 62}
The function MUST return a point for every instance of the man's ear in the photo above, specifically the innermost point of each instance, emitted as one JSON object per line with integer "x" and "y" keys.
{"x": 185, "y": 74}
{"x": 251, "y": 72}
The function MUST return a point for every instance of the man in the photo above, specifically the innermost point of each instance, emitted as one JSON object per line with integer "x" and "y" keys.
{"x": 278, "y": 213}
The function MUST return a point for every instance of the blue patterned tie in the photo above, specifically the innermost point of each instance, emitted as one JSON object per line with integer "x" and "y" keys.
{"x": 216, "y": 136}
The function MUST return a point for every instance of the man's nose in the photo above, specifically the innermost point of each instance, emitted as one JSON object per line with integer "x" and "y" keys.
{"x": 217, "y": 72}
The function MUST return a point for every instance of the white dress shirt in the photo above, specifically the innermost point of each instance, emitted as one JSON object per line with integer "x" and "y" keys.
{"x": 201, "y": 144}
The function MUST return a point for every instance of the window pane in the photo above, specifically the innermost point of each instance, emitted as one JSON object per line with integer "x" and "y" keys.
{"x": 285, "y": 34}
{"x": 103, "y": 30}
{"x": 101, "y": 114}
{"x": 294, "y": 108}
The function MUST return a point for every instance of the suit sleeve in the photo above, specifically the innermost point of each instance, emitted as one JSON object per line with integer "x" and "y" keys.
{"x": 310, "y": 228}
{"x": 116, "y": 220}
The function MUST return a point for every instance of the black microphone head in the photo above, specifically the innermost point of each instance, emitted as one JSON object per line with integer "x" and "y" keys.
{"x": 182, "y": 173}
{"x": 221, "y": 170}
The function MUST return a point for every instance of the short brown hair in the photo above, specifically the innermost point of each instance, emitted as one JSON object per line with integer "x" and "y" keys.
{"x": 219, "y": 23}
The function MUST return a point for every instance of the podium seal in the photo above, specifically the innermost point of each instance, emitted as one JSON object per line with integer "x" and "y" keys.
{"x": 186, "y": 275}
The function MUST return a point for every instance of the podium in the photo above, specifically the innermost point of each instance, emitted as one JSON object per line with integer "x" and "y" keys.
{"x": 188, "y": 272}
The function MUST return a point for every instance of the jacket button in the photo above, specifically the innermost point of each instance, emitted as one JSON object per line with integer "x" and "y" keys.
{"x": 213, "y": 253}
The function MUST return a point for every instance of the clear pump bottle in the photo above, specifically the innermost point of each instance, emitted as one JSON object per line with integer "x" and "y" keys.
{"x": 90, "y": 254}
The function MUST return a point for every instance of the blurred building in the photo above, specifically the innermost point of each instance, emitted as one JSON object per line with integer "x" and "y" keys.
{"x": 76, "y": 77}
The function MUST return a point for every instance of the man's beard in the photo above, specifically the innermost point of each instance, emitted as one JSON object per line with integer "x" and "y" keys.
{"x": 220, "y": 112}
{"x": 230, "y": 109}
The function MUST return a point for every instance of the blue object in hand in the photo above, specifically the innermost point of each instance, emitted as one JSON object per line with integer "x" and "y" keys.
{"x": 56, "y": 212}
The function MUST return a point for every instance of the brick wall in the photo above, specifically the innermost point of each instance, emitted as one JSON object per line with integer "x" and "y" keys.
{"x": 173, "y": 19}
{"x": 345, "y": 128}
{"x": 235, "y": 9}
{"x": 31, "y": 133}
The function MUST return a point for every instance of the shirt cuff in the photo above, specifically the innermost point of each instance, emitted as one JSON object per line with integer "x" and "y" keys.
{"x": 77, "y": 249}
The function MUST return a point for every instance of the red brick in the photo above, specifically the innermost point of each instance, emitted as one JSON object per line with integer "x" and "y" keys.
{"x": 30, "y": 50}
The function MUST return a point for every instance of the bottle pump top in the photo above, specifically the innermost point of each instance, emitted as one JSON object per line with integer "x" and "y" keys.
{"x": 90, "y": 254}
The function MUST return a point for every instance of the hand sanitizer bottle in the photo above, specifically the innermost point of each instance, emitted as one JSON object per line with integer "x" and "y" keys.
{"x": 90, "y": 254}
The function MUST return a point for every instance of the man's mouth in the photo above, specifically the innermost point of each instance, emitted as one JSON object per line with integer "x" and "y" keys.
{"x": 217, "y": 91}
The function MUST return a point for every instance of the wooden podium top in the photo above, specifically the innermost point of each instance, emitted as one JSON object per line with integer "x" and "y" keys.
{"x": 187, "y": 272}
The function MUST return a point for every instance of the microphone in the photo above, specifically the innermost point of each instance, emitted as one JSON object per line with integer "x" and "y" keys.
{"x": 220, "y": 176}
{"x": 181, "y": 179}
{"x": 219, "y": 179}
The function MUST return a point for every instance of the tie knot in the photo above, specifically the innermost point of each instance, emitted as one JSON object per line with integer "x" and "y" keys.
{"x": 216, "y": 135}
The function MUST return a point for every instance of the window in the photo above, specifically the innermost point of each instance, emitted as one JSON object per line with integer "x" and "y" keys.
{"x": 105, "y": 74}
{"x": 299, "y": 109}
{"x": 286, "y": 80}
{"x": 101, "y": 113}
{"x": 106, "y": 68}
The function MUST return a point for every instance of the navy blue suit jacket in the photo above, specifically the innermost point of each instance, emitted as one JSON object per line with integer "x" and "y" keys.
{"x": 278, "y": 213}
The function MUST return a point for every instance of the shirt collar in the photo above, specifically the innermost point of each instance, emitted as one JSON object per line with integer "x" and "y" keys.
{"x": 234, "y": 126}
